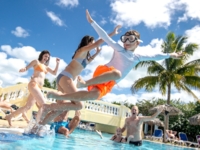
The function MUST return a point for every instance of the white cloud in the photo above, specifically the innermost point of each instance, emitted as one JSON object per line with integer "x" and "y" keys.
{"x": 9, "y": 70}
{"x": 133, "y": 12}
{"x": 191, "y": 9}
{"x": 194, "y": 37}
{"x": 66, "y": 3}
{"x": 103, "y": 21}
{"x": 111, "y": 97}
{"x": 183, "y": 18}
{"x": 20, "y": 32}
{"x": 132, "y": 99}
{"x": 55, "y": 18}
{"x": 18, "y": 58}
{"x": 26, "y": 53}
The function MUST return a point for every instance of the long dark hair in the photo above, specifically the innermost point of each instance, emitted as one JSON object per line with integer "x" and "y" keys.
{"x": 85, "y": 41}
{"x": 41, "y": 56}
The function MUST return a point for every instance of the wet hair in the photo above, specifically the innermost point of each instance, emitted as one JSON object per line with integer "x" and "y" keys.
{"x": 41, "y": 56}
{"x": 84, "y": 41}
{"x": 133, "y": 32}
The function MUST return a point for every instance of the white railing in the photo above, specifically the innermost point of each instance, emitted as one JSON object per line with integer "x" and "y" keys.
{"x": 20, "y": 91}
{"x": 107, "y": 108}
{"x": 102, "y": 107}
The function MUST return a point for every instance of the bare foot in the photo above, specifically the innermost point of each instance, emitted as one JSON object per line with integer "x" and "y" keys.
{"x": 80, "y": 82}
{"x": 9, "y": 119}
{"x": 52, "y": 94}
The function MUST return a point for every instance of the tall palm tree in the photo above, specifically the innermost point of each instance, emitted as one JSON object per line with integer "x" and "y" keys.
{"x": 179, "y": 73}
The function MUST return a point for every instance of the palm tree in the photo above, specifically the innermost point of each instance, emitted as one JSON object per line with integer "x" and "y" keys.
{"x": 49, "y": 84}
{"x": 172, "y": 72}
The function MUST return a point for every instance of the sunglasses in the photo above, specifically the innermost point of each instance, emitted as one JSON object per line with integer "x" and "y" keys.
{"x": 130, "y": 38}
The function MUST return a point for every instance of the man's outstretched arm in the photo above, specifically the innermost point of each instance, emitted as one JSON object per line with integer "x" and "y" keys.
{"x": 148, "y": 118}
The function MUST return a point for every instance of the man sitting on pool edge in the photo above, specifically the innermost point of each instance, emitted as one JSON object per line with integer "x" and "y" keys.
{"x": 134, "y": 124}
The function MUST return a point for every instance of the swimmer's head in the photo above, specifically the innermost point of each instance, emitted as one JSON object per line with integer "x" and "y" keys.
{"x": 131, "y": 40}
{"x": 134, "y": 111}
{"x": 118, "y": 131}
{"x": 44, "y": 57}
{"x": 86, "y": 40}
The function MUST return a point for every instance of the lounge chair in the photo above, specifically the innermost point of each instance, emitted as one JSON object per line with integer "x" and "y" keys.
{"x": 183, "y": 137}
{"x": 157, "y": 135}
{"x": 171, "y": 140}
{"x": 198, "y": 140}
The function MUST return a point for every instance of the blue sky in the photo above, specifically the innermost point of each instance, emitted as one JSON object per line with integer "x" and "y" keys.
{"x": 28, "y": 27}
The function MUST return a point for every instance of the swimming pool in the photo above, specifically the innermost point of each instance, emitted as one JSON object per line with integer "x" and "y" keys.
{"x": 81, "y": 140}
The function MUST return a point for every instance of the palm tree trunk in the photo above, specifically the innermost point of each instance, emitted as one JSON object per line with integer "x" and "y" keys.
{"x": 167, "y": 116}
{"x": 168, "y": 93}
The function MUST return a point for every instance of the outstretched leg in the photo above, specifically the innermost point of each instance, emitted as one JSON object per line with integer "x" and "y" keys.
{"x": 39, "y": 97}
{"x": 29, "y": 104}
{"x": 50, "y": 116}
{"x": 98, "y": 79}
{"x": 76, "y": 96}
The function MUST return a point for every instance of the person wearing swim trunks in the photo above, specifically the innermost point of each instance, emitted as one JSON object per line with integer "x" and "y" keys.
{"x": 124, "y": 59}
{"x": 65, "y": 80}
{"x": 62, "y": 126}
{"x": 36, "y": 83}
{"x": 134, "y": 125}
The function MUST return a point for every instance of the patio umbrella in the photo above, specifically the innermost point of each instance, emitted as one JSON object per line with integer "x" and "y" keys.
{"x": 155, "y": 121}
{"x": 167, "y": 111}
{"x": 195, "y": 120}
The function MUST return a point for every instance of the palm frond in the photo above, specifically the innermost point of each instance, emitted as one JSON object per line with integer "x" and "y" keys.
{"x": 191, "y": 48}
{"x": 195, "y": 62}
{"x": 177, "y": 80}
{"x": 148, "y": 83}
{"x": 179, "y": 42}
{"x": 188, "y": 90}
{"x": 155, "y": 69}
{"x": 149, "y": 63}
{"x": 187, "y": 70}
{"x": 192, "y": 81}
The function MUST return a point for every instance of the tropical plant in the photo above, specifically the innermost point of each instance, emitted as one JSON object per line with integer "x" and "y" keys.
{"x": 49, "y": 84}
{"x": 176, "y": 72}
{"x": 172, "y": 72}
{"x": 181, "y": 124}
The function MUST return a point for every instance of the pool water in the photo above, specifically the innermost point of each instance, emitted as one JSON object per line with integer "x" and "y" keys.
{"x": 81, "y": 140}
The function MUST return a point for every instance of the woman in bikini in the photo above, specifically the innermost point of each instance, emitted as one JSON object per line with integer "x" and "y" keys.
{"x": 117, "y": 137}
{"x": 36, "y": 83}
{"x": 65, "y": 80}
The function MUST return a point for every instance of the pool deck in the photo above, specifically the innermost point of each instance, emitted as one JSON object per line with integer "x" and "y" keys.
{"x": 15, "y": 124}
